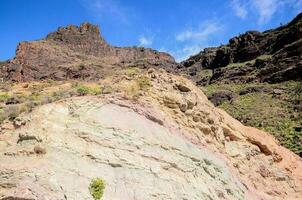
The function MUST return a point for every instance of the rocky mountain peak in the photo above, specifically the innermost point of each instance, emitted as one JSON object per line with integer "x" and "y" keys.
{"x": 72, "y": 34}
{"x": 77, "y": 52}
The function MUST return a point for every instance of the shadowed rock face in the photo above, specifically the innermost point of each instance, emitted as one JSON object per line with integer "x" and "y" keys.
{"x": 275, "y": 56}
{"x": 77, "y": 53}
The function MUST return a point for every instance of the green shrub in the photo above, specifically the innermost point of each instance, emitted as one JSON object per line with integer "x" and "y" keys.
{"x": 132, "y": 71}
{"x": 143, "y": 82}
{"x": 4, "y": 96}
{"x": 85, "y": 90}
{"x": 96, "y": 188}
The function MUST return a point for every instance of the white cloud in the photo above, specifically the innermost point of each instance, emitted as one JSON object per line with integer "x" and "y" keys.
{"x": 192, "y": 40}
{"x": 188, "y": 51}
{"x": 145, "y": 41}
{"x": 184, "y": 53}
{"x": 266, "y": 9}
{"x": 201, "y": 34}
{"x": 106, "y": 8}
{"x": 239, "y": 9}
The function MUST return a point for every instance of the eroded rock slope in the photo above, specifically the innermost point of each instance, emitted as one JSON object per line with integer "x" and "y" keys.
{"x": 154, "y": 139}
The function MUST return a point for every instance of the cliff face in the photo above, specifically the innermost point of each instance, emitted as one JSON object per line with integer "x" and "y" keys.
{"x": 148, "y": 134}
{"x": 257, "y": 78}
{"x": 77, "y": 53}
{"x": 169, "y": 142}
{"x": 270, "y": 56}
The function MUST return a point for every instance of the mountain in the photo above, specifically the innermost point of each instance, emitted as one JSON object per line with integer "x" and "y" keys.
{"x": 272, "y": 56}
{"x": 81, "y": 119}
{"x": 257, "y": 78}
{"x": 77, "y": 53}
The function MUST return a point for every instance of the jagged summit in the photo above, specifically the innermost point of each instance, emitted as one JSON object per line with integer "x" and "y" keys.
{"x": 86, "y": 37}
{"x": 77, "y": 52}
{"x": 85, "y": 29}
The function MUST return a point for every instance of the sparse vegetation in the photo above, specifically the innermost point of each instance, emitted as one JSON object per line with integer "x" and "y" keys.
{"x": 132, "y": 71}
{"x": 143, "y": 82}
{"x": 24, "y": 97}
{"x": 4, "y": 96}
{"x": 88, "y": 89}
{"x": 96, "y": 188}
{"x": 259, "y": 106}
{"x": 235, "y": 65}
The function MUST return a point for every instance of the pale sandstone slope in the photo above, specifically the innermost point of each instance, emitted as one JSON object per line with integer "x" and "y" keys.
{"x": 164, "y": 142}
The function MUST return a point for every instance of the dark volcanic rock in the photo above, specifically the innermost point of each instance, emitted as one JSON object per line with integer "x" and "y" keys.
{"x": 221, "y": 96}
{"x": 255, "y": 89}
{"x": 270, "y": 56}
{"x": 78, "y": 53}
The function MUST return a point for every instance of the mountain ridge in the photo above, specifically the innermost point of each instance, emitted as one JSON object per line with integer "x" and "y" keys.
{"x": 282, "y": 46}
{"x": 76, "y": 52}
{"x": 77, "y": 114}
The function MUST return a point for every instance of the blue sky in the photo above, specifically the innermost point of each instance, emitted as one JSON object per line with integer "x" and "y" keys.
{"x": 180, "y": 27}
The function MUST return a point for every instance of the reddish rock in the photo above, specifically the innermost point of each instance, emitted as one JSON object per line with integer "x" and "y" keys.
{"x": 77, "y": 53}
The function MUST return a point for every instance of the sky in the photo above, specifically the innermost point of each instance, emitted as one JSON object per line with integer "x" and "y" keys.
{"x": 179, "y": 27}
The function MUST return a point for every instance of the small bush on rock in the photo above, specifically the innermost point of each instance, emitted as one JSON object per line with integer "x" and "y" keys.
{"x": 144, "y": 82}
{"x": 4, "y": 96}
{"x": 86, "y": 89}
{"x": 132, "y": 71}
{"x": 96, "y": 188}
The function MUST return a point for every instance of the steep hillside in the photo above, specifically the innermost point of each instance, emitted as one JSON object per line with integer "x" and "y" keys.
{"x": 257, "y": 78}
{"x": 151, "y": 136}
{"x": 81, "y": 119}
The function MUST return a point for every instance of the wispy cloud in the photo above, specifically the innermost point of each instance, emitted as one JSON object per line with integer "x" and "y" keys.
{"x": 106, "y": 9}
{"x": 192, "y": 40}
{"x": 200, "y": 34}
{"x": 239, "y": 8}
{"x": 186, "y": 52}
{"x": 145, "y": 41}
{"x": 264, "y": 9}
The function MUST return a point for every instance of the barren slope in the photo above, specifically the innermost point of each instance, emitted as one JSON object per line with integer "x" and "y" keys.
{"x": 155, "y": 136}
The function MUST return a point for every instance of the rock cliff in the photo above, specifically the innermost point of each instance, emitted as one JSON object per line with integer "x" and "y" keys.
{"x": 257, "y": 78}
{"x": 272, "y": 56}
{"x": 74, "y": 52}
{"x": 74, "y": 109}
{"x": 154, "y": 139}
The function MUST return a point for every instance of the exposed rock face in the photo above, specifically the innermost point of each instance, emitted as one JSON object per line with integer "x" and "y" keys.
{"x": 170, "y": 143}
{"x": 77, "y": 53}
{"x": 274, "y": 56}
{"x": 257, "y": 62}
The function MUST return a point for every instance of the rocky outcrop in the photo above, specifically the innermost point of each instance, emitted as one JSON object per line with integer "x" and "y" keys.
{"x": 270, "y": 56}
{"x": 77, "y": 53}
{"x": 169, "y": 142}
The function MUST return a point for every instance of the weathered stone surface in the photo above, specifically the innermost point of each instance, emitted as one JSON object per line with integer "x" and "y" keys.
{"x": 136, "y": 157}
{"x": 143, "y": 149}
